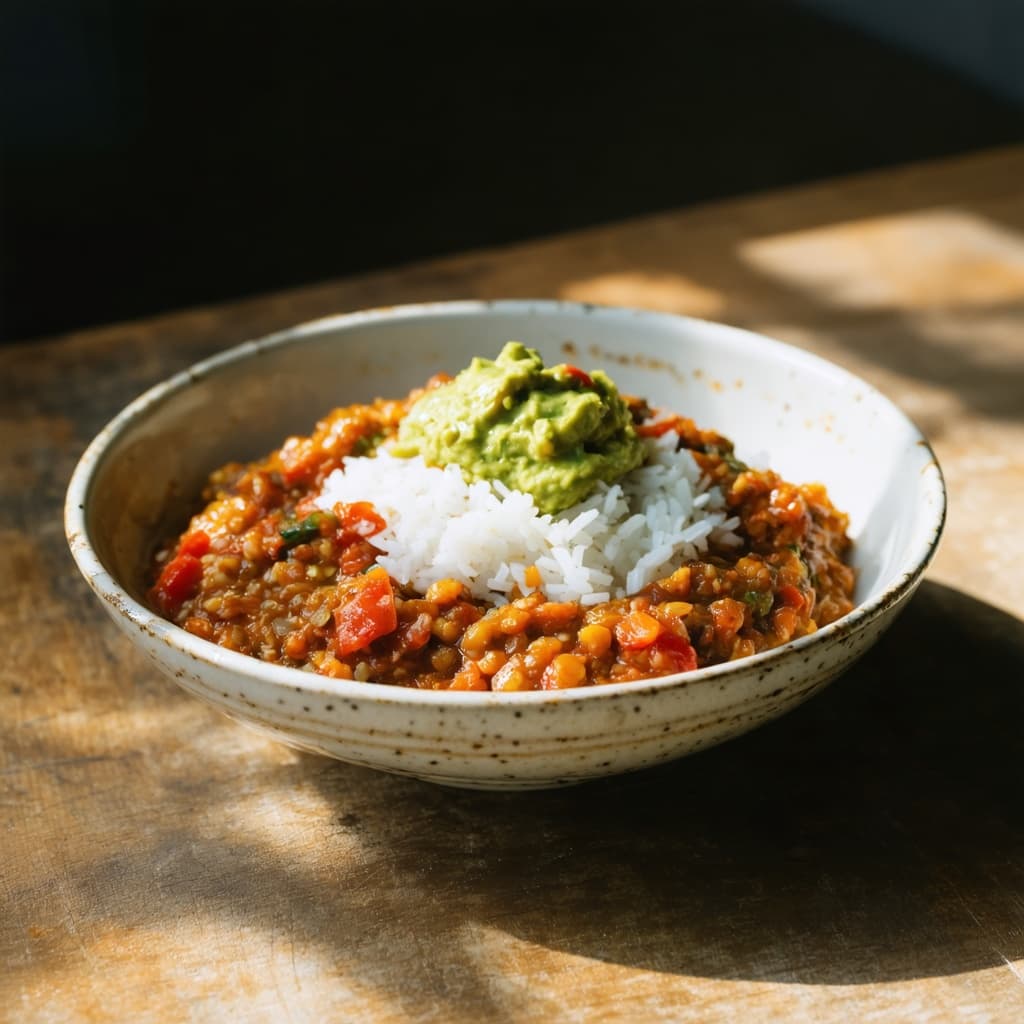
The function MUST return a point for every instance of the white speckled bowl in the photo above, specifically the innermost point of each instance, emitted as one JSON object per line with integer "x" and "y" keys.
{"x": 141, "y": 475}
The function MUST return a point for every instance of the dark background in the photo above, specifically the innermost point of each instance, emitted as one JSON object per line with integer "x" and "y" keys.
{"x": 159, "y": 154}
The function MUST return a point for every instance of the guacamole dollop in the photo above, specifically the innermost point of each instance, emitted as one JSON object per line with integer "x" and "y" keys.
{"x": 552, "y": 432}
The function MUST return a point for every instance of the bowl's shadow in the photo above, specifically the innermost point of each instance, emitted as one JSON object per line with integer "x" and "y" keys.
{"x": 874, "y": 834}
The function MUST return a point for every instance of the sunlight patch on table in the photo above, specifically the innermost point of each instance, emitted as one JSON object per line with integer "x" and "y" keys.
{"x": 179, "y": 971}
{"x": 941, "y": 257}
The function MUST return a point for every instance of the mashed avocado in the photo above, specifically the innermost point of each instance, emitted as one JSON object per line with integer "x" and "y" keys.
{"x": 552, "y": 433}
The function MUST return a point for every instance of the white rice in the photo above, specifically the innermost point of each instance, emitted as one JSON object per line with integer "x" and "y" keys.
{"x": 618, "y": 540}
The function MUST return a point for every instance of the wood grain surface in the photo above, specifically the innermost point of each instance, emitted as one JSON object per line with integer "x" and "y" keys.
{"x": 861, "y": 859}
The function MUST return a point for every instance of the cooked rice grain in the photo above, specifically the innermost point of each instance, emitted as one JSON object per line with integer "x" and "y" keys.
{"x": 485, "y": 535}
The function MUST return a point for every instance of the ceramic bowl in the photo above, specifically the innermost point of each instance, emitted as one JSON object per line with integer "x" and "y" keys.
{"x": 141, "y": 476}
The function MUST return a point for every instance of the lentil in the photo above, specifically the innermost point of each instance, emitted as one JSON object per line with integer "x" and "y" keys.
{"x": 260, "y": 570}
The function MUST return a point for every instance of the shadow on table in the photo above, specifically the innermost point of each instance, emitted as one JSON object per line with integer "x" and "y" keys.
{"x": 873, "y": 835}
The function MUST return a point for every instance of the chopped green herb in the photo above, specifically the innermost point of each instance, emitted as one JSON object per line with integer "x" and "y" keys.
{"x": 366, "y": 445}
{"x": 733, "y": 463}
{"x": 726, "y": 454}
{"x": 309, "y": 529}
{"x": 760, "y": 601}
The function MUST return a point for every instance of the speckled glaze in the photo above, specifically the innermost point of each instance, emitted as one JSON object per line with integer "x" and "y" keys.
{"x": 138, "y": 479}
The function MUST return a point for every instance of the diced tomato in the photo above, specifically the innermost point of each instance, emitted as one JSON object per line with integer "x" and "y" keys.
{"x": 356, "y": 522}
{"x": 637, "y": 630}
{"x": 367, "y": 611}
{"x": 791, "y": 597}
{"x": 359, "y": 519}
{"x": 673, "y": 653}
{"x": 195, "y": 543}
{"x": 178, "y": 581}
{"x": 577, "y": 374}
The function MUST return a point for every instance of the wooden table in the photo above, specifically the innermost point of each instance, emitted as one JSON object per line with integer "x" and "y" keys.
{"x": 861, "y": 859}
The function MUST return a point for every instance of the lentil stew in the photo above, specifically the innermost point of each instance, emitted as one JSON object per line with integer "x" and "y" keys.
{"x": 263, "y": 571}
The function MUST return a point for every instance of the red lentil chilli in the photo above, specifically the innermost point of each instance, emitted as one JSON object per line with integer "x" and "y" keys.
{"x": 264, "y": 570}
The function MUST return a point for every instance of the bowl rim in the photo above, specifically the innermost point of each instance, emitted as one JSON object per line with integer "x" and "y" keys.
{"x": 123, "y": 605}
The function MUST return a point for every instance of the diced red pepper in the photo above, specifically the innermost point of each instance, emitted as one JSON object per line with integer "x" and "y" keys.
{"x": 195, "y": 543}
{"x": 791, "y": 597}
{"x": 178, "y": 582}
{"x": 674, "y": 653}
{"x": 579, "y": 376}
{"x": 367, "y": 611}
